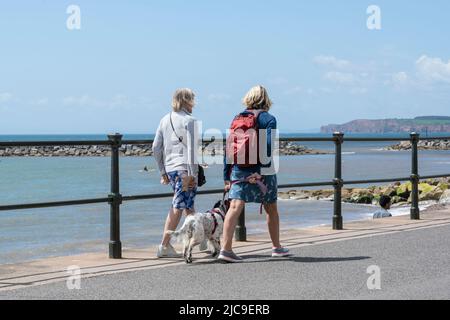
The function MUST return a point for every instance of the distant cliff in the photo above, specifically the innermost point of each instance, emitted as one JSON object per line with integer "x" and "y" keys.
{"x": 419, "y": 124}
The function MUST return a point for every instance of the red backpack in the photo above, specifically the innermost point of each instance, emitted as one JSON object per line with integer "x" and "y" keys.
{"x": 242, "y": 143}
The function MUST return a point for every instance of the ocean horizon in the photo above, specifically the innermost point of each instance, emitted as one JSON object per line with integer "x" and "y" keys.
{"x": 100, "y": 136}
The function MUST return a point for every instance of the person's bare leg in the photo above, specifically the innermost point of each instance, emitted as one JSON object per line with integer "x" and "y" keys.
{"x": 231, "y": 219}
{"x": 172, "y": 221}
{"x": 188, "y": 212}
{"x": 273, "y": 223}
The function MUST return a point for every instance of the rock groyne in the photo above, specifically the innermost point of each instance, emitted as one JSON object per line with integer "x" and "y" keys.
{"x": 286, "y": 148}
{"x": 422, "y": 145}
{"x": 429, "y": 190}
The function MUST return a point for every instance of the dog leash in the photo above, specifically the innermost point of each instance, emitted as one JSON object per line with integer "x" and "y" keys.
{"x": 212, "y": 212}
{"x": 258, "y": 181}
{"x": 216, "y": 224}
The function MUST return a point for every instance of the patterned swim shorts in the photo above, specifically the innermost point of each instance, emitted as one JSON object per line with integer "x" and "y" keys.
{"x": 251, "y": 192}
{"x": 181, "y": 199}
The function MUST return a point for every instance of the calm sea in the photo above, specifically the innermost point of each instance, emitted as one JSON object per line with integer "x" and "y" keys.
{"x": 38, "y": 233}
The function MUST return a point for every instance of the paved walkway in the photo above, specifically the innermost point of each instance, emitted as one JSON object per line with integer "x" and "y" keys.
{"x": 412, "y": 256}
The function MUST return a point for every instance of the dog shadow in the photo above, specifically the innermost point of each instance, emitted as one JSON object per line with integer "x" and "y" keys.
{"x": 257, "y": 258}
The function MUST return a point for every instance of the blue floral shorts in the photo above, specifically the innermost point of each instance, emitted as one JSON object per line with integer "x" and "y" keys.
{"x": 251, "y": 192}
{"x": 181, "y": 199}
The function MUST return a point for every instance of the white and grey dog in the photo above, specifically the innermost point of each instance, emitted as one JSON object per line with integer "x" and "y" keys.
{"x": 200, "y": 227}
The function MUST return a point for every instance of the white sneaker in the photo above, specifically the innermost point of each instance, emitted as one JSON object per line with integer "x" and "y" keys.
{"x": 167, "y": 252}
{"x": 280, "y": 252}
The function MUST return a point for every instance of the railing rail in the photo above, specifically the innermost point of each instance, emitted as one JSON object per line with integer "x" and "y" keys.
{"x": 115, "y": 198}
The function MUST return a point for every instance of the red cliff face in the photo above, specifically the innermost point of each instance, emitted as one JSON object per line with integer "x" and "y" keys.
{"x": 386, "y": 126}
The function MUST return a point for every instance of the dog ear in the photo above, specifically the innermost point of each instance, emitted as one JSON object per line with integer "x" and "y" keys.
{"x": 218, "y": 204}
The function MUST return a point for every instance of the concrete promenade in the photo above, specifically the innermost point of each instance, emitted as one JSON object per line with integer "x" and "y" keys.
{"x": 412, "y": 256}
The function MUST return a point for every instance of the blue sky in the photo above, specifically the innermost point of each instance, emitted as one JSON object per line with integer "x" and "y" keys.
{"x": 319, "y": 61}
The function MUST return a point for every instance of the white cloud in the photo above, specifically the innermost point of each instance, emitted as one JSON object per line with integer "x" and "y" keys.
{"x": 433, "y": 69}
{"x": 5, "y": 97}
{"x": 400, "y": 78}
{"x": 119, "y": 100}
{"x": 340, "y": 77}
{"x": 331, "y": 61}
{"x": 81, "y": 101}
{"x": 40, "y": 102}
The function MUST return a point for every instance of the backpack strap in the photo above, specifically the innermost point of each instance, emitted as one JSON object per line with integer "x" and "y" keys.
{"x": 173, "y": 129}
{"x": 256, "y": 113}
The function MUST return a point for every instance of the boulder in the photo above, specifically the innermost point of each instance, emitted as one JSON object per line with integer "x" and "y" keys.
{"x": 323, "y": 193}
{"x": 388, "y": 191}
{"x": 283, "y": 196}
{"x": 404, "y": 190}
{"x": 445, "y": 197}
{"x": 362, "y": 198}
{"x": 443, "y": 186}
{"x": 299, "y": 197}
{"x": 346, "y": 192}
{"x": 425, "y": 187}
{"x": 434, "y": 193}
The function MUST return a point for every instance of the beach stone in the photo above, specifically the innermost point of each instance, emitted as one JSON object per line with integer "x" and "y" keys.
{"x": 445, "y": 197}
{"x": 443, "y": 186}
{"x": 346, "y": 192}
{"x": 396, "y": 199}
{"x": 388, "y": 191}
{"x": 404, "y": 190}
{"x": 300, "y": 197}
{"x": 425, "y": 187}
{"x": 431, "y": 194}
{"x": 323, "y": 193}
{"x": 283, "y": 196}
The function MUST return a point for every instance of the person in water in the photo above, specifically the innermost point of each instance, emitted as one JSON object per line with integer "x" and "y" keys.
{"x": 385, "y": 204}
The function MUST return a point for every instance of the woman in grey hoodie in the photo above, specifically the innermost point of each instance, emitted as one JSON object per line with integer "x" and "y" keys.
{"x": 174, "y": 149}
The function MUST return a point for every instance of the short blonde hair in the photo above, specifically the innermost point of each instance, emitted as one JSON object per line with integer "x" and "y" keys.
{"x": 257, "y": 98}
{"x": 182, "y": 98}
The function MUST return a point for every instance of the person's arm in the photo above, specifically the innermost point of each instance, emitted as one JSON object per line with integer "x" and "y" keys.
{"x": 269, "y": 124}
{"x": 226, "y": 168}
{"x": 158, "y": 150}
{"x": 192, "y": 148}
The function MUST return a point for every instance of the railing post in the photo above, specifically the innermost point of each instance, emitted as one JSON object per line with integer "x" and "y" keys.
{"x": 240, "y": 234}
{"x": 115, "y": 199}
{"x": 338, "y": 182}
{"x": 415, "y": 178}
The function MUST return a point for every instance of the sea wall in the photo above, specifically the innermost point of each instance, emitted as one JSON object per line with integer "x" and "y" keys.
{"x": 431, "y": 189}
{"x": 423, "y": 145}
{"x": 75, "y": 151}
{"x": 286, "y": 148}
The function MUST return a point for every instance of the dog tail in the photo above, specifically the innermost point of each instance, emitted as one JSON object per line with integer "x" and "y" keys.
{"x": 185, "y": 231}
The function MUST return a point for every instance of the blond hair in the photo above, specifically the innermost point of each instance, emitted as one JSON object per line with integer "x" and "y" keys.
{"x": 257, "y": 98}
{"x": 182, "y": 98}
